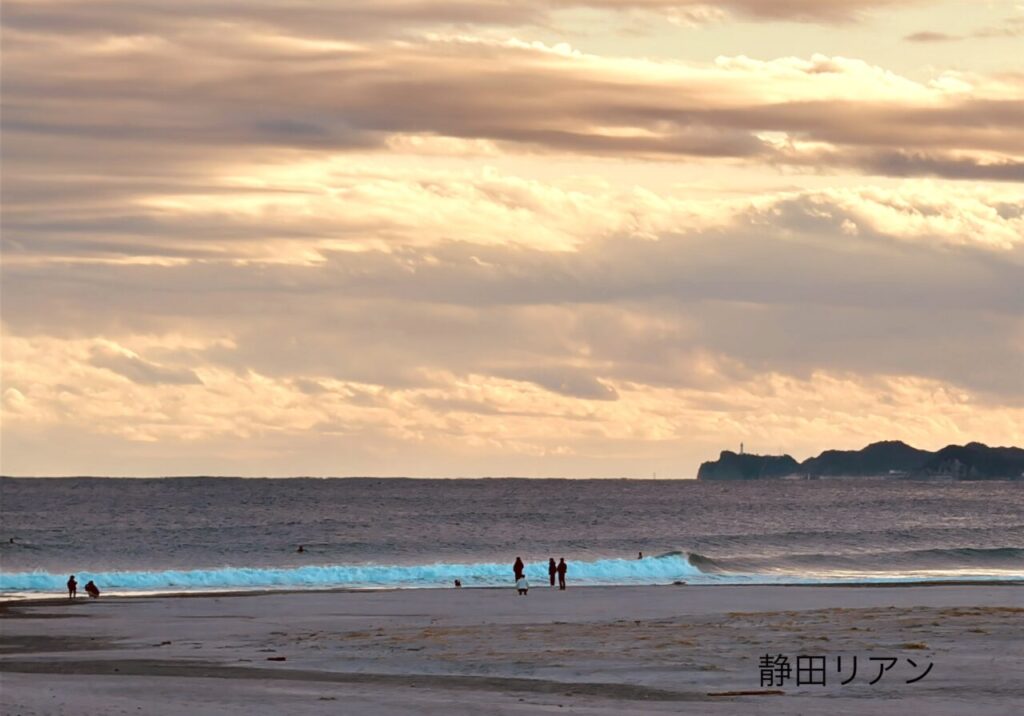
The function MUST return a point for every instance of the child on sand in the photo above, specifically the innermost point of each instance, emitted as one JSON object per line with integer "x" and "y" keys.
{"x": 92, "y": 590}
{"x": 522, "y": 586}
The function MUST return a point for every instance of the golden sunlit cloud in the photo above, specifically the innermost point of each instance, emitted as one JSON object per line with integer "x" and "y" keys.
{"x": 468, "y": 238}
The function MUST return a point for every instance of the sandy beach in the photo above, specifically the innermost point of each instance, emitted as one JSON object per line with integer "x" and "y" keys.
{"x": 597, "y": 650}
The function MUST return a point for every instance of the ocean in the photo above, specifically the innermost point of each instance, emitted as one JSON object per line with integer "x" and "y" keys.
{"x": 184, "y": 534}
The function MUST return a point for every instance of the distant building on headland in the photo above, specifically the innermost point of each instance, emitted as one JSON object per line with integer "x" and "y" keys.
{"x": 742, "y": 466}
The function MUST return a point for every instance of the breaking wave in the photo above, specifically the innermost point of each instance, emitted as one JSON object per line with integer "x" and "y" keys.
{"x": 668, "y": 568}
{"x": 953, "y": 561}
{"x": 660, "y": 570}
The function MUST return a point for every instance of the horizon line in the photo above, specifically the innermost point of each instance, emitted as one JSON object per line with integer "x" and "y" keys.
{"x": 332, "y": 477}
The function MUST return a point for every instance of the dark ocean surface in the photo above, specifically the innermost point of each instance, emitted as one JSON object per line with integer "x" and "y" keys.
{"x": 154, "y": 535}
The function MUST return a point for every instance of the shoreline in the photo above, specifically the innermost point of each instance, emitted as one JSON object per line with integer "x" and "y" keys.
{"x": 594, "y": 651}
{"x": 36, "y": 601}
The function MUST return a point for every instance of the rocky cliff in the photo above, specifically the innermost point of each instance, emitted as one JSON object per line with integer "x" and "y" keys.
{"x": 974, "y": 461}
{"x": 880, "y": 458}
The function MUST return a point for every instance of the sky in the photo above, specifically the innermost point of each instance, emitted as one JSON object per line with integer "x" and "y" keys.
{"x": 579, "y": 238}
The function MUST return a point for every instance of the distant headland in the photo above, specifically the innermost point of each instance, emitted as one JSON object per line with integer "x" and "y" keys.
{"x": 891, "y": 458}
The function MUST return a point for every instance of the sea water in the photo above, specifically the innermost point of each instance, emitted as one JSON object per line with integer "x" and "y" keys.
{"x": 180, "y": 534}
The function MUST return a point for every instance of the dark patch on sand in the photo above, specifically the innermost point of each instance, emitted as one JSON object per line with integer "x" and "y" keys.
{"x": 16, "y": 610}
{"x": 38, "y": 644}
{"x": 208, "y": 670}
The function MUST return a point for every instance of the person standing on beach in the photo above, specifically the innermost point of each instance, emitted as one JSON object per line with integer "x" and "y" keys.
{"x": 518, "y": 568}
{"x": 552, "y": 570}
{"x": 562, "y": 569}
{"x": 72, "y": 587}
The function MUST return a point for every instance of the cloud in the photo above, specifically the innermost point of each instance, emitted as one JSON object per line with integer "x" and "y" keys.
{"x": 808, "y": 10}
{"x": 410, "y": 237}
{"x": 141, "y": 371}
{"x": 144, "y": 19}
{"x": 870, "y": 282}
{"x": 1010, "y": 28}
{"x": 907, "y": 164}
{"x": 184, "y": 100}
{"x": 927, "y": 36}
{"x": 253, "y": 425}
{"x": 568, "y": 381}
{"x": 335, "y": 204}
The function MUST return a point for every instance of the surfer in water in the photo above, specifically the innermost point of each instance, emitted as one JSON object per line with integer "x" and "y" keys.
{"x": 518, "y": 569}
{"x": 72, "y": 587}
{"x": 552, "y": 570}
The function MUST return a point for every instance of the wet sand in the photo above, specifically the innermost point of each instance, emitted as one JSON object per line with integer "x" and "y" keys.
{"x": 598, "y": 650}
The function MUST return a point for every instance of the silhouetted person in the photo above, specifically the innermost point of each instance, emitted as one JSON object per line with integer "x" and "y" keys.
{"x": 72, "y": 587}
{"x": 518, "y": 568}
{"x": 458, "y": 583}
{"x": 92, "y": 590}
{"x": 552, "y": 570}
{"x": 301, "y": 549}
{"x": 562, "y": 569}
{"x": 640, "y": 555}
